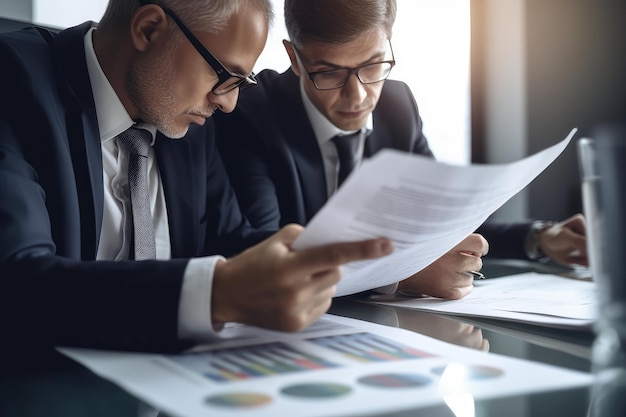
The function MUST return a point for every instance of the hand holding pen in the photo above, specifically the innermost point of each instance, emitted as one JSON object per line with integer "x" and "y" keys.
{"x": 475, "y": 274}
{"x": 452, "y": 275}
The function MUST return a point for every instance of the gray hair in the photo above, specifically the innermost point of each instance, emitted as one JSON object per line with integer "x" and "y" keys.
{"x": 206, "y": 15}
{"x": 336, "y": 21}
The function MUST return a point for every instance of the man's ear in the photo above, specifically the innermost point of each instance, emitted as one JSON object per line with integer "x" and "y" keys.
{"x": 148, "y": 24}
{"x": 295, "y": 66}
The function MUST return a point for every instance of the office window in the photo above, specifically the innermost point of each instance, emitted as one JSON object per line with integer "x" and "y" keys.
{"x": 431, "y": 42}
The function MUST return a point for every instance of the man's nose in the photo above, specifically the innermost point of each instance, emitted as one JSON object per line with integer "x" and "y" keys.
{"x": 354, "y": 90}
{"x": 225, "y": 102}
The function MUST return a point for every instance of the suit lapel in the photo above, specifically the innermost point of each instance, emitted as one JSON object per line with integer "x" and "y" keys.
{"x": 304, "y": 147}
{"x": 175, "y": 167}
{"x": 83, "y": 133}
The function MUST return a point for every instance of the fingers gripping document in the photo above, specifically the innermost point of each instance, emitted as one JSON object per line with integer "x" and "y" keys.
{"x": 425, "y": 207}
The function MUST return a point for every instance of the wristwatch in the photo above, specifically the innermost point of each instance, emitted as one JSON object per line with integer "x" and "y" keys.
{"x": 533, "y": 247}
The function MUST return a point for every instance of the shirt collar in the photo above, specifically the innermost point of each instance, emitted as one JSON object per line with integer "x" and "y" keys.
{"x": 113, "y": 118}
{"x": 323, "y": 128}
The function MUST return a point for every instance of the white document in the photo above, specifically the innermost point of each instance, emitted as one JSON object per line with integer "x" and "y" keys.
{"x": 542, "y": 299}
{"x": 337, "y": 367}
{"x": 426, "y": 207}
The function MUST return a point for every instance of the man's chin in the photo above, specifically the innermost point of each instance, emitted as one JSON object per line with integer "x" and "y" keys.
{"x": 350, "y": 123}
{"x": 174, "y": 133}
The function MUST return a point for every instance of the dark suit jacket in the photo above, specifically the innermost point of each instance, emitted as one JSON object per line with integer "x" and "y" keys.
{"x": 51, "y": 202}
{"x": 274, "y": 162}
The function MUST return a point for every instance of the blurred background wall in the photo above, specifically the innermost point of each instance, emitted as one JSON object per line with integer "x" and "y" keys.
{"x": 540, "y": 68}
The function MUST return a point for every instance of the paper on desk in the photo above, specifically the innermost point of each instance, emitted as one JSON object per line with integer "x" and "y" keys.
{"x": 425, "y": 207}
{"x": 337, "y": 367}
{"x": 542, "y": 299}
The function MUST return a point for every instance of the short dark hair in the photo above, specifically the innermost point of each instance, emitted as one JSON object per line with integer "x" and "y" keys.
{"x": 336, "y": 21}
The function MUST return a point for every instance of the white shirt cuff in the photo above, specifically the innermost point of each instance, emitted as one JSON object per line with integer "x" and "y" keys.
{"x": 194, "y": 311}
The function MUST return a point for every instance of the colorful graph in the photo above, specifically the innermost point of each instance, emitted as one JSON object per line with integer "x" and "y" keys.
{"x": 234, "y": 364}
{"x": 251, "y": 362}
{"x": 368, "y": 347}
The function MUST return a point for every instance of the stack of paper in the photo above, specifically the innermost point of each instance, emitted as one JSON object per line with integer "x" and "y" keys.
{"x": 541, "y": 299}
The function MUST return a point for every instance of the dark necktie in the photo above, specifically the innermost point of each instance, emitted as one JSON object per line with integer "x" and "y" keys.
{"x": 347, "y": 147}
{"x": 138, "y": 143}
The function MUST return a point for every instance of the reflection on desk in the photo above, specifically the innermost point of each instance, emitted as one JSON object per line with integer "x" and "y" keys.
{"x": 439, "y": 327}
{"x": 512, "y": 339}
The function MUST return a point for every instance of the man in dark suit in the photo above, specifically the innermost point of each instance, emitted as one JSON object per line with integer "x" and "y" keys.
{"x": 283, "y": 162}
{"x": 67, "y": 240}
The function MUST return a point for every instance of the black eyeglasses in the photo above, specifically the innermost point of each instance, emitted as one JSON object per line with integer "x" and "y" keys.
{"x": 337, "y": 78}
{"x": 227, "y": 80}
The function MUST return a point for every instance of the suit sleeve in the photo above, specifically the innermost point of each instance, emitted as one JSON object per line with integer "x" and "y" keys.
{"x": 506, "y": 240}
{"x": 50, "y": 299}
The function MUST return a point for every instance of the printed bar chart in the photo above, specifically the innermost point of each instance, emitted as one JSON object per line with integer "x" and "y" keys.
{"x": 251, "y": 362}
{"x": 367, "y": 347}
{"x": 277, "y": 358}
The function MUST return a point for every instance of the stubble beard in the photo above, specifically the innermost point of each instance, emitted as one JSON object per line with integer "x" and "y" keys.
{"x": 151, "y": 88}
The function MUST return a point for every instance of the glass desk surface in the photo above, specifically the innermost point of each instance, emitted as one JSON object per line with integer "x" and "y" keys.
{"x": 46, "y": 383}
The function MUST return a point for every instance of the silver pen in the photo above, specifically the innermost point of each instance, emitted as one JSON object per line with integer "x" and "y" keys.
{"x": 475, "y": 274}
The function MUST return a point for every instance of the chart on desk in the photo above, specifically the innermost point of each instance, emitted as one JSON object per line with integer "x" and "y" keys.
{"x": 351, "y": 367}
{"x": 248, "y": 362}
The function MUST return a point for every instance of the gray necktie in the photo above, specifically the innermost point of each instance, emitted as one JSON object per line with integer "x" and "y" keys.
{"x": 347, "y": 147}
{"x": 138, "y": 143}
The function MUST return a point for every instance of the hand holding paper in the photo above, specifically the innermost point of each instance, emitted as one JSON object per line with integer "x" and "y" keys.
{"x": 425, "y": 207}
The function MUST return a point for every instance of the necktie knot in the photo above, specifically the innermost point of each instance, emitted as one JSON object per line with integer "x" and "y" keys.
{"x": 137, "y": 141}
{"x": 347, "y": 148}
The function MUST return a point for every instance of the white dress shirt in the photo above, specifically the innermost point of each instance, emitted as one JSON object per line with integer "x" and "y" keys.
{"x": 194, "y": 316}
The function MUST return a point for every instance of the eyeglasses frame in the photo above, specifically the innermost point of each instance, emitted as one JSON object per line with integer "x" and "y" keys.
{"x": 350, "y": 71}
{"x": 223, "y": 74}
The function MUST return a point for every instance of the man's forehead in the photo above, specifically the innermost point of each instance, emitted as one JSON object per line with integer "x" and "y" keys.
{"x": 238, "y": 44}
{"x": 361, "y": 49}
